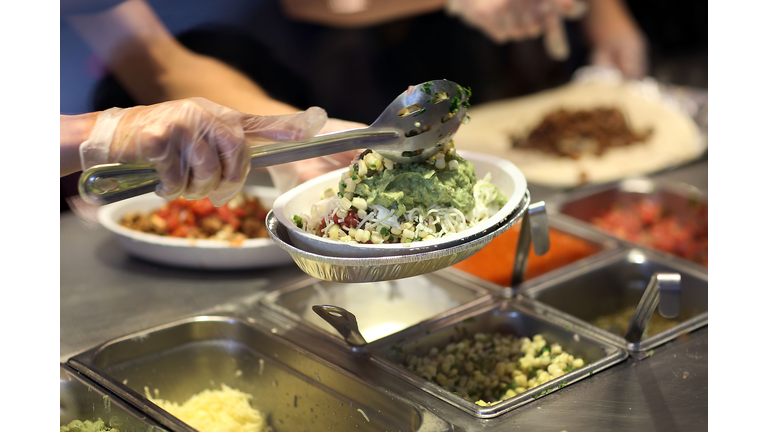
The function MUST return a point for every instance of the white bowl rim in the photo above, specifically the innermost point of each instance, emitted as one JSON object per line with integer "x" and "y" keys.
{"x": 109, "y": 215}
{"x": 520, "y": 185}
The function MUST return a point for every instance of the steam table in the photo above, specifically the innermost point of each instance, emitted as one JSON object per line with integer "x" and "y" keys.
{"x": 122, "y": 295}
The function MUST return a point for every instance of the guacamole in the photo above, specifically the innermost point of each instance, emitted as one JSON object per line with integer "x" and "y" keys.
{"x": 421, "y": 184}
{"x": 87, "y": 426}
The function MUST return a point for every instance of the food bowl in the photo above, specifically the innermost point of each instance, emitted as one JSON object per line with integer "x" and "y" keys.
{"x": 197, "y": 253}
{"x": 505, "y": 175}
{"x": 382, "y": 268}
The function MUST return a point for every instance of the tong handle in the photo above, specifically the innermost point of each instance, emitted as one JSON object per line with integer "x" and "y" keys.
{"x": 109, "y": 183}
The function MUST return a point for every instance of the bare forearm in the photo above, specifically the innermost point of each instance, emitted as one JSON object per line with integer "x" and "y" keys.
{"x": 73, "y": 131}
{"x": 154, "y": 67}
{"x": 170, "y": 72}
{"x": 376, "y": 11}
{"x": 605, "y": 17}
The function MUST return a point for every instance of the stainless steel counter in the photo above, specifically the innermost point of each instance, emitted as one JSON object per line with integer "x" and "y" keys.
{"x": 106, "y": 294}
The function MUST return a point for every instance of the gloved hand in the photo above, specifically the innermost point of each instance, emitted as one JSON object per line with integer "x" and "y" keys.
{"x": 507, "y": 20}
{"x": 287, "y": 176}
{"x": 198, "y": 147}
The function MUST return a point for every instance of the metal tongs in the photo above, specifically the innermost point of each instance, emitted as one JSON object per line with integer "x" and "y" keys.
{"x": 413, "y": 128}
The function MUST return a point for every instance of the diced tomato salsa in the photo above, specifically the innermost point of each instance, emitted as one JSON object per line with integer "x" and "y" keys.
{"x": 240, "y": 219}
{"x": 647, "y": 223}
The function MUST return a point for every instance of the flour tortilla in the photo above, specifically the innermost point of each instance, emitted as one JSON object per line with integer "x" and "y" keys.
{"x": 676, "y": 138}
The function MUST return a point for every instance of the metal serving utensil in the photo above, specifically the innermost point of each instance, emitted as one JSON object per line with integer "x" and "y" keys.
{"x": 533, "y": 229}
{"x": 343, "y": 321}
{"x": 413, "y": 128}
{"x": 663, "y": 291}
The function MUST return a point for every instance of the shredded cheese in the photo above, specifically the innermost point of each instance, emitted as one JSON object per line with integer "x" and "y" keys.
{"x": 225, "y": 410}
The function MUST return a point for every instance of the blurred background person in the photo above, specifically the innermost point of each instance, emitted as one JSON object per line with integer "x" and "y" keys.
{"x": 614, "y": 38}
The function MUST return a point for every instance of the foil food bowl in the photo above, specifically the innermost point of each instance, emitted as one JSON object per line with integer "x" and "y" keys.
{"x": 382, "y": 268}
{"x": 504, "y": 175}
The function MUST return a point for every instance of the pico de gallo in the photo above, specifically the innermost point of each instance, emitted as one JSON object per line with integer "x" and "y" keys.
{"x": 647, "y": 223}
{"x": 240, "y": 219}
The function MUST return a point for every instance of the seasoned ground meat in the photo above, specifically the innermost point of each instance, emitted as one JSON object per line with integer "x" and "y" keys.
{"x": 573, "y": 133}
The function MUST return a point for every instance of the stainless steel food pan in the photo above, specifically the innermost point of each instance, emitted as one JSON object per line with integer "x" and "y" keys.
{"x": 294, "y": 390}
{"x": 682, "y": 200}
{"x": 82, "y": 399}
{"x": 600, "y": 241}
{"x": 387, "y": 308}
{"x": 609, "y": 284}
{"x": 509, "y": 317}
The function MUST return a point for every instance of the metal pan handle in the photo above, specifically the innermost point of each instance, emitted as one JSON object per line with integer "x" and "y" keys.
{"x": 663, "y": 286}
{"x": 343, "y": 321}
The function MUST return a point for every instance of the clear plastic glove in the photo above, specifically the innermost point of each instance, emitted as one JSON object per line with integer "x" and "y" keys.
{"x": 510, "y": 20}
{"x": 198, "y": 147}
{"x": 624, "y": 50}
{"x": 287, "y": 176}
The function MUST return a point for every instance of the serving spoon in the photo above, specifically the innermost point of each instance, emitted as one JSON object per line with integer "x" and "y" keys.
{"x": 413, "y": 128}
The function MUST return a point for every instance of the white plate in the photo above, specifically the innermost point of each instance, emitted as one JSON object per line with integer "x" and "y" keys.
{"x": 504, "y": 174}
{"x": 199, "y": 254}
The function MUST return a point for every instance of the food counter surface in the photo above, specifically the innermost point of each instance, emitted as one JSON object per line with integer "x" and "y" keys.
{"x": 107, "y": 294}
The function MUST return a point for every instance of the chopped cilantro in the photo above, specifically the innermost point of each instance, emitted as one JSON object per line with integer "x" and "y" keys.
{"x": 426, "y": 87}
{"x": 541, "y": 393}
{"x": 297, "y": 221}
{"x": 341, "y": 195}
{"x": 419, "y": 112}
{"x": 356, "y": 167}
{"x": 354, "y": 176}
{"x": 384, "y": 231}
{"x": 456, "y": 100}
